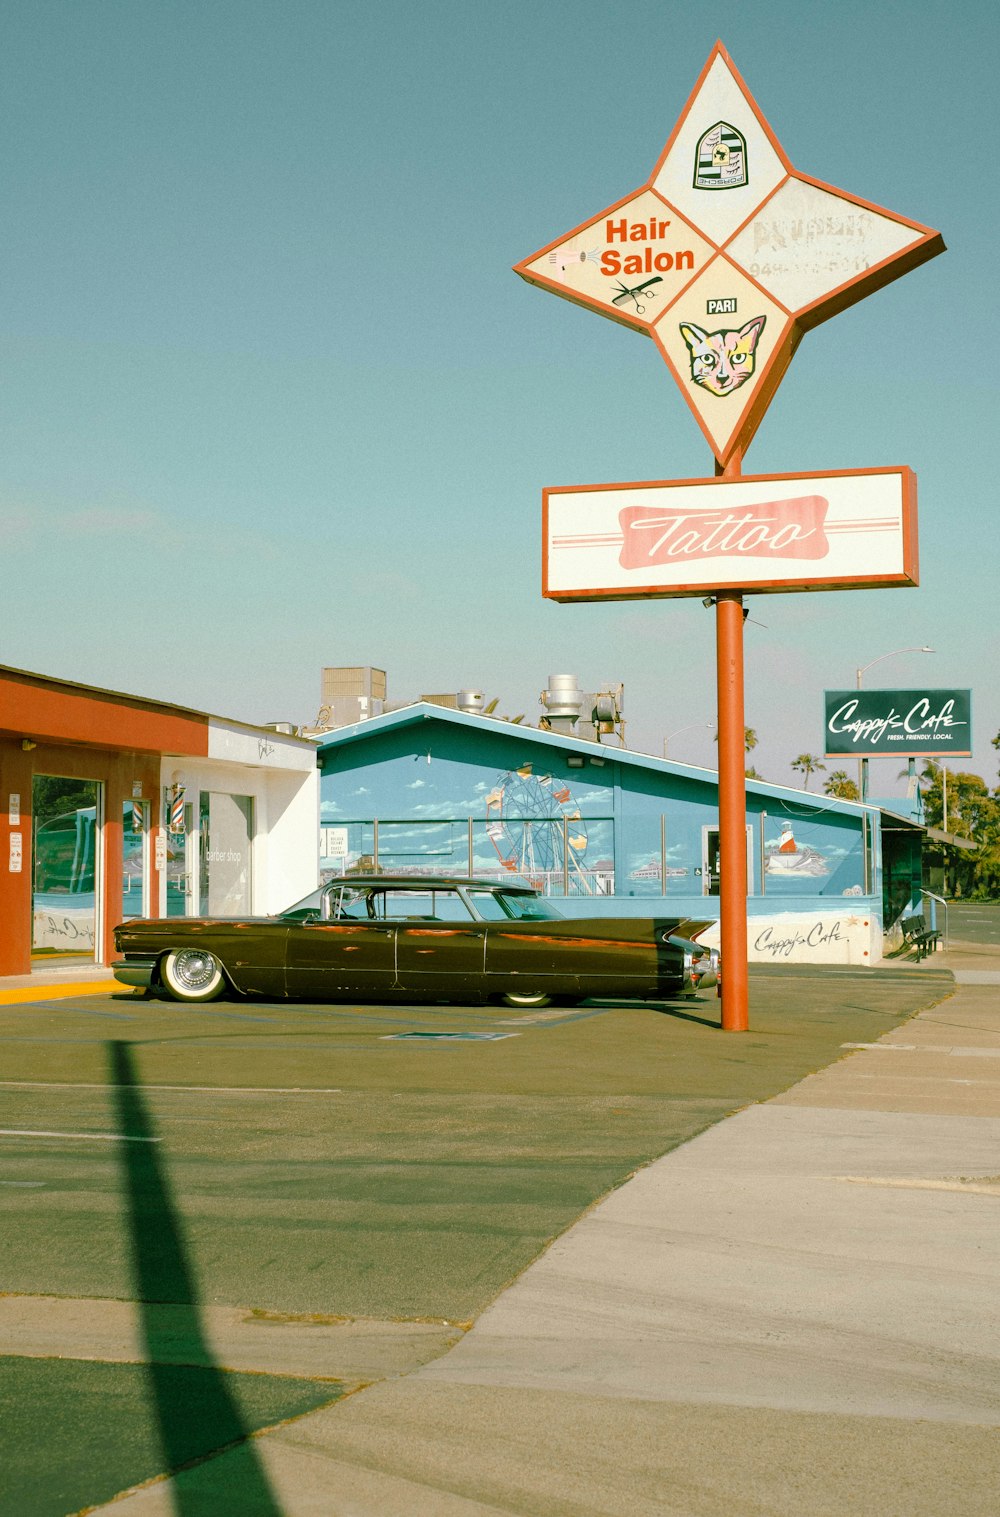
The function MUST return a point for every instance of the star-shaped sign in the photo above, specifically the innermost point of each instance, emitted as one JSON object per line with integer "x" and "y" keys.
{"x": 727, "y": 255}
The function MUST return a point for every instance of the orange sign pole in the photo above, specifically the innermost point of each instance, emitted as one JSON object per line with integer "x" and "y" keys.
{"x": 729, "y": 616}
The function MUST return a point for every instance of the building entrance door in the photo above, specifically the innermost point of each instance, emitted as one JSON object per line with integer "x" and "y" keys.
{"x": 66, "y": 837}
{"x": 182, "y": 854}
{"x": 710, "y": 860}
{"x": 225, "y": 827}
{"x": 209, "y": 854}
{"x": 135, "y": 860}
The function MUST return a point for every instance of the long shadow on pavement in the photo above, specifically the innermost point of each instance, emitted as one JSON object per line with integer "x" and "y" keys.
{"x": 196, "y": 1412}
{"x": 687, "y": 1016}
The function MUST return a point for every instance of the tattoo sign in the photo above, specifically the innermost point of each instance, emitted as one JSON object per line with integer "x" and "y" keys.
{"x": 847, "y": 530}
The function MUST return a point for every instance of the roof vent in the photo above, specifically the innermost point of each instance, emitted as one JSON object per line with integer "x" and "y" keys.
{"x": 563, "y": 697}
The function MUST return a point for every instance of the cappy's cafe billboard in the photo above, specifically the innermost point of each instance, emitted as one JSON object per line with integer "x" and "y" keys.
{"x": 867, "y": 723}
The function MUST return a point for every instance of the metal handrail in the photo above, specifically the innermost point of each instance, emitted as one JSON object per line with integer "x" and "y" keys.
{"x": 941, "y": 901}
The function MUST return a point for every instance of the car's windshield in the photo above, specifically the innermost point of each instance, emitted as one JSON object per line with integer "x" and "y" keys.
{"x": 309, "y": 906}
{"x": 496, "y": 905}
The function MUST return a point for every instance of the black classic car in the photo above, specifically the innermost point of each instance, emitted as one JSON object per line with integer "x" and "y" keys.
{"x": 386, "y": 937}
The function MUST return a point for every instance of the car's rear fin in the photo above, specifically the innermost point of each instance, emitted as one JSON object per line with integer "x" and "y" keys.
{"x": 693, "y": 928}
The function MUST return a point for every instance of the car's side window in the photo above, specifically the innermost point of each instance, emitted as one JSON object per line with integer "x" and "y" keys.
{"x": 423, "y": 906}
{"x": 448, "y": 906}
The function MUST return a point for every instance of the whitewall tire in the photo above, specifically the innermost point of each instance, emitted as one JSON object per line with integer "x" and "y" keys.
{"x": 192, "y": 974}
{"x": 527, "y": 1000}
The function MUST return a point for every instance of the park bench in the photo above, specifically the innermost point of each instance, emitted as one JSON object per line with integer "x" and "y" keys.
{"x": 917, "y": 935}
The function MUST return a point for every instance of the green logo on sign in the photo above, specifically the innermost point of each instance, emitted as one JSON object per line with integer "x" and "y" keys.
{"x": 720, "y": 160}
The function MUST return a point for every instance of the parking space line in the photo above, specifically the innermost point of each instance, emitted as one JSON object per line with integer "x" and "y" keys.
{"x": 86, "y": 1137}
{"x": 446, "y": 1037}
{"x": 215, "y": 1090}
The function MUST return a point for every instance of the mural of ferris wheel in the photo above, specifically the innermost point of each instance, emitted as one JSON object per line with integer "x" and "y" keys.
{"x": 535, "y": 826}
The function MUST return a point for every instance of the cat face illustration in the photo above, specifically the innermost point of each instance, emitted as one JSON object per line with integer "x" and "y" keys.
{"x": 722, "y": 361}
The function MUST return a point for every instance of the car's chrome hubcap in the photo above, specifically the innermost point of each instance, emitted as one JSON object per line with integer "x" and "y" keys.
{"x": 194, "y": 970}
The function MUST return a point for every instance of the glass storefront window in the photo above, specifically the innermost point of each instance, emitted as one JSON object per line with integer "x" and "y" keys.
{"x": 661, "y": 851}
{"x": 560, "y": 857}
{"x": 346, "y": 848}
{"x": 208, "y": 853}
{"x": 424, "y": 847}
{"x": 65, "y": 850}
{"x": 226, "y": 831}
{"x": 803, "y": 857}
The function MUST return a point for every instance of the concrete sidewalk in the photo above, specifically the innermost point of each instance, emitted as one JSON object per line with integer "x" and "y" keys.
{"x": 57, "y": 982}
{"x": 792, "y": 1315}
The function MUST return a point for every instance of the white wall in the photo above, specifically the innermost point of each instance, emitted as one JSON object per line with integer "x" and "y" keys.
{"x": 287, "y": 865}
{"x": 280, "y": 774}
{"x": 847, "y": 933}
{"x": 235, "y": 743}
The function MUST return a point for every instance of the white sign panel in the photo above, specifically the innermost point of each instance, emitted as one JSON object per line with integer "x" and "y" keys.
{"x": 849, "y": 529}
{"x": 726, "y": 255}
{"x": 69, "y": 927}
{"x": 16, "y": 853}
{"x": 333, "y": 842}
{"x": 834, "y": 936}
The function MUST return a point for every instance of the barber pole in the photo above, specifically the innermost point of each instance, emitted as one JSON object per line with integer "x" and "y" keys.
{"x": 177, "y": 809}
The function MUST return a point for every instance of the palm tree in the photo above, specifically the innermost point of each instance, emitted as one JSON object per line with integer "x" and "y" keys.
{"x": 807, "y": 763}
{"x": 840, "y": 784}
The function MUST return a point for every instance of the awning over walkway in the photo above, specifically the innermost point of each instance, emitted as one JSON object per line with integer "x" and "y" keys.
{"x": 949, "y": 840}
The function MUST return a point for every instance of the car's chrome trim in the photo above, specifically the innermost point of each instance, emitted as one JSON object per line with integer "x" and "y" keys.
{"x": 701, "y": 970}
{"x": 135, "y": 971}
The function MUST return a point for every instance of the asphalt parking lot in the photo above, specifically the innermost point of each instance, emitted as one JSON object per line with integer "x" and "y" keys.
{"x": 216, "y": 1220}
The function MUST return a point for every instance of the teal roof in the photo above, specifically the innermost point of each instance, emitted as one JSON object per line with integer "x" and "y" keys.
{"x": 427, "y": 711}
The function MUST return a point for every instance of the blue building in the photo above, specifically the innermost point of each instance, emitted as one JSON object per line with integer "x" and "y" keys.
{"x": 611, "y": 832}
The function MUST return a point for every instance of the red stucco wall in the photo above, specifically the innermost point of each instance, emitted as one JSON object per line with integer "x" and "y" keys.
{"x": 88, "y": 734}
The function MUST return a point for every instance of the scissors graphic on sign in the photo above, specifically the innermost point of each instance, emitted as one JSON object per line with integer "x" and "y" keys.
{"x": 635, "y": 292}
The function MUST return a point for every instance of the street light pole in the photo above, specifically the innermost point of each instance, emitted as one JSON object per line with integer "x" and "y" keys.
{"x": 689, "y": 728}
{"x": 863, "y": 762}
{"x": 944, "y": 789}
{"x": 944, "y": 820}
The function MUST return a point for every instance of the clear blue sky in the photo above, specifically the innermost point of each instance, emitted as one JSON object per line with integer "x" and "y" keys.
{"x": 273, "y": 398}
